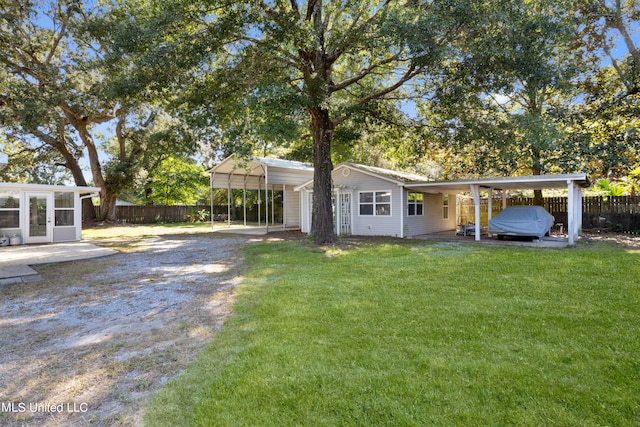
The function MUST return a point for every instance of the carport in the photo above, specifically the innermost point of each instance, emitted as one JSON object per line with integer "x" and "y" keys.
{"x": 263, "y": 174}
{"x": 574, "y": 183}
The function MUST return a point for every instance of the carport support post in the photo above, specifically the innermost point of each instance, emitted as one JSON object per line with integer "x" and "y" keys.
{"x": 266, "y": 197}
{"x": 211, "y": 178}
{"x": 244, "y": 199}
{"x": 574, "y": 212}
{"x": 229, "y": 201}
{"x": 490, "y": 208}
{"x": 475, "y": 191}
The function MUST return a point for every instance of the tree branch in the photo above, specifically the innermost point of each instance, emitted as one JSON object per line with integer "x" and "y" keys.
{"x": 411, "y": 72}
{"x": 353, "y": 34}
{"x": 367, "y": 71}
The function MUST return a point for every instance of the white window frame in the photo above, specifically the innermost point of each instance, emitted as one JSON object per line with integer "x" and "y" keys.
{"x": 17, "y": 196}
{"x": 415, "y": 203}
{"x": 65, "y": 209}
{"x": 445, "y": 206}
{"x": 375, "y": 203}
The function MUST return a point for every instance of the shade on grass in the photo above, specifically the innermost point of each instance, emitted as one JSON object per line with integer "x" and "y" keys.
{"x": 411, "y": 334}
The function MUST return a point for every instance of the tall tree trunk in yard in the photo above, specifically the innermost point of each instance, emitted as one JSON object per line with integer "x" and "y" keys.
{"x": 80, "y": 123}
{"x": 322, "y": 217}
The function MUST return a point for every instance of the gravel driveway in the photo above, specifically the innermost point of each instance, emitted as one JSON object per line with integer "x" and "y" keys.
{"x": 91, "y": 342}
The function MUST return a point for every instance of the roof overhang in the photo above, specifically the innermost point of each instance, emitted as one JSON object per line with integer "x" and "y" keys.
{"x": 531, "y": 182}
{"x": 44, "y": 187}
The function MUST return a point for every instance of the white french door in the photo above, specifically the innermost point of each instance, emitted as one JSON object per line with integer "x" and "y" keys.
{"x": 39, "y": 224}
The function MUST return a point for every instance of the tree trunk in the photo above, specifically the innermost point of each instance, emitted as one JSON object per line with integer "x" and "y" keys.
{"x": 322, "y": 219}
{"x": 537, "y": 170}
{"x": 107, "y": 199}
{"x": 108, "y": 207}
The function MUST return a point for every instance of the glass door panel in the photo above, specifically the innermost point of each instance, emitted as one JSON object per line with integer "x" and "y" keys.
{"x": 39, "y": 224}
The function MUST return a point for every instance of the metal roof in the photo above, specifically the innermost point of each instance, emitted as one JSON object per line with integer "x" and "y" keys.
{"x": 252, "y": 166}
{"x": 530, "y": 182}
{"x": 45, "y": 187}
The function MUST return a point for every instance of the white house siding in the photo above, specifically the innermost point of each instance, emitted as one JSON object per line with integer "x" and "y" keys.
{"x": 432, "y": 220}
{"x": 371, "y": 225}
{"x": 292, "y": 207}
{"x": 305, "y": 211}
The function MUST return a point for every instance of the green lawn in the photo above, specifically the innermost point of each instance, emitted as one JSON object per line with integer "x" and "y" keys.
{"x": 410, "y": 333}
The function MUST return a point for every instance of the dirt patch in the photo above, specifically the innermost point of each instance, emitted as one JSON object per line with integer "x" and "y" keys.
{"x": 91, "y": 342}
{"x": 625, "y": 240}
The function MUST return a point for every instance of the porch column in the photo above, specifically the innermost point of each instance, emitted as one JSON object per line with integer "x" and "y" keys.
{"x": 259, "y": 201}
{"x": 284, "y": 207}
{"x": 475, "y": 191}
{"x": 338, "y": 211}
{"x": 504, "y": 198}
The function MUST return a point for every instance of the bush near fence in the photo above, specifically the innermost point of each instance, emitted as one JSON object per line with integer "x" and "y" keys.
{"x": 599, "y": 213}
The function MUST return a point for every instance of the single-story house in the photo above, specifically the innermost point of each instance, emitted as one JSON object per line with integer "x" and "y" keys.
{"x": 42, "y": 213}
{"x": 375, "y": 201}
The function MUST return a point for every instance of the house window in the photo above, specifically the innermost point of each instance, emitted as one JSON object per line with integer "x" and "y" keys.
{"x": 64, "y": 209}
{"x": 415, "y": 204}
{"x": 376, "y": 203}
{"x": 445, "y": 206}
{"x": 9, "y": 209}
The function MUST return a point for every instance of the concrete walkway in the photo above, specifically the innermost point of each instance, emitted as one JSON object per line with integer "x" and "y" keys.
{"x": 552, "y": 241}
{"x": 15, "y": 260}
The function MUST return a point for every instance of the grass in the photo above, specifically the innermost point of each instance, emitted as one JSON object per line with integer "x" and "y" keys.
{"x": 409, "y": 333}
{"x": 110, "y": 231}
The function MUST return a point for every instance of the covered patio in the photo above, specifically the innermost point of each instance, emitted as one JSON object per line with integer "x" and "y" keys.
{"x": 574, "y": 183}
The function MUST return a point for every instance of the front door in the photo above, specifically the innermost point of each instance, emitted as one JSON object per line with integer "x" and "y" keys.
{"x": 39, "y": 227}
{"x": 345, "y": 213}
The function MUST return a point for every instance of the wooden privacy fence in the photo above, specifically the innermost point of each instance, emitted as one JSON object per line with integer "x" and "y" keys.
{"x": 159, "y": 214}
{"x": 156, "y": 214}
{"x": 604, "y": 213}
